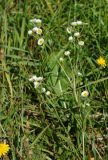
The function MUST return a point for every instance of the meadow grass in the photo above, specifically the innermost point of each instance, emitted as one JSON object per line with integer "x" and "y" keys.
{"x": 59, "y": 123}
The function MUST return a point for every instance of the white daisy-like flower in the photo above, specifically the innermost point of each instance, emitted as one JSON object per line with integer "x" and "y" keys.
{"x": 61, "y": 59}
{"x": 40, "y": 41}
{"x": 87, "y": 104}
{"x": 81, "y": 43}
{"x": 68, "y": 29}
{"x": 30, "y": 32}
{"x": 67, "y": 53}
{"x": 79, "y": 74}
{"x": 43, "y": 90}
{"x": 36, "y": 84}
{"x": 70, "y": 38}
{"x": 79, "y": 22}
{"x": 37, "y": 30}
{"x": 39, "y": 21}
{"x": 76, "y": 34}
{"x": 33, "y": 78}
{"x": 34, "y": 29}
{"x": 39, "y": 78}
{"x": 35, "y": 20}
{"x": 74, "y": 23}
{"x": 85, "y": 93}
{"x": 48, "y": 93}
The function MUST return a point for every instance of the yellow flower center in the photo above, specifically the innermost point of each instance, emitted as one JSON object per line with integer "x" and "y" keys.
{"x": 85, "y": 93}
{"x": 40, "y": 41}
{"x": 39, "y": 31}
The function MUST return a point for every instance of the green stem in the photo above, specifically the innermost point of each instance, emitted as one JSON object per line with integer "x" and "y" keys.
{"x": 49, "y": 7}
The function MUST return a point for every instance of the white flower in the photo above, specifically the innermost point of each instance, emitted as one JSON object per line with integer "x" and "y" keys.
{"x": 43, "y": 90}
{"x": 61, "y": 59}
{"x": 36, "y": 80}
{"x": 34, "y": 29}
{"x": 79, "y": 74}
{"x": 81, "y": 43}
{"x": 36, "y": 20}
{"x": 67, "y": 53}
{"x": 30, "y": 32}
{"x": 76, "y": 34}
{"x": 48, "y": 93}
{"x": 33, "y": 78}
{"x": 37, "y": 30}
{"x": 85, "y": 93}
{"x": 79, "y": 22}
{"x": 36, "y": 84}
{"x": 39, "y": 78}
{"x": 74, "y": 23}
{"x": 88, "y": 104}
{"x": 40, "y": 41}
{"x": 33, "y": 20}
{"x": 68, "y": 29}
{"x": 70, "y": 38}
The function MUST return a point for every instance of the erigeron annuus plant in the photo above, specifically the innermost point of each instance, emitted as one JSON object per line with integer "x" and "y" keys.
{"x": 37, "y": 81}
{"x": 74, "y": 34}
{"x": 75, "y": 39}
{"x": 36, "y": 31}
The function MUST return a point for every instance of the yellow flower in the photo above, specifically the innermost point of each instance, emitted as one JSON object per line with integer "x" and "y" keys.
{"x": 4, "y": 148}
{"x": 101, "y": 61}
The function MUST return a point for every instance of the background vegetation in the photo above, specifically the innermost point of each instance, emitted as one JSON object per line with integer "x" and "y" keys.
{"x": 62, "y": 125}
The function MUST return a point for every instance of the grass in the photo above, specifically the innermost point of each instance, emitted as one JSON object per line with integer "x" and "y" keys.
{"x": 62, "y": 125}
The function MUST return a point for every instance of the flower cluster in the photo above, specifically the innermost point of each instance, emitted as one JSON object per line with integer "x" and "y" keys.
{"x": 48, "y": 93}
{"x": 35, "y": 20}
{"x": 36, "y": 30}
{"x": 76, "y": 34}
{"x": 36, "y": 80}
{"x": 66, "y": 53}
{"x": 76, "y": 23}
